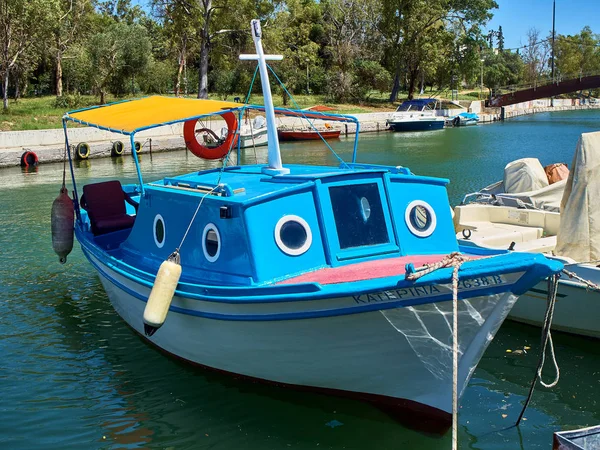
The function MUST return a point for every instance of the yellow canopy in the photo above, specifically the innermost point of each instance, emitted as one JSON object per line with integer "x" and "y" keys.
{"x": 147, "y": 112}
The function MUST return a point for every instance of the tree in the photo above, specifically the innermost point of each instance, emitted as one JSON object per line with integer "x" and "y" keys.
{"x": 117, "y": 53}
{"x": 179, "y": 20}
{"x": 577, "y": 55}
{"x": 69, "y": 26}
{"x": 351, "y": 31}
{"x": 23, "y": 25}
{"x": 417, "y": 33}
{"x": 500, "y": 35}
{"x": 502, "y": 69}
{"x": 536, "y": 55}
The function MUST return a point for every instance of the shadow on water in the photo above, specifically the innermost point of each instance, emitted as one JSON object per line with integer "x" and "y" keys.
{"x": 73, "y": 375}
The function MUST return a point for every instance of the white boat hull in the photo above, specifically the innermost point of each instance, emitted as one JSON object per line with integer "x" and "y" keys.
{"x": 576, "y": 311}
{"x": 398, "y": 357}
{"x": 248, "y": 141}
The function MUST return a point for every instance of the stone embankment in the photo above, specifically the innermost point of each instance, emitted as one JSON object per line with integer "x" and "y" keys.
{"x": 49, "y": 144}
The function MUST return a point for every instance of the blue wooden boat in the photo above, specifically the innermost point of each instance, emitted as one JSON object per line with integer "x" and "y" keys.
{"x": 297, "y": 275}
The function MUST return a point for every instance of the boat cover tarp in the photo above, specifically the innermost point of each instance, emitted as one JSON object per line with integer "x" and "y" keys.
{"x": 579, "y": 232}
{"x": 547, "y": 199}
{"x": 524, "y": 175}
{"x": 468, "y": 115}
{"x": 527, "y": 187}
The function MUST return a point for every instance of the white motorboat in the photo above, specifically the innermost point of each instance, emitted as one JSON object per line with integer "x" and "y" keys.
{"x": 523, "y": 212}
{"x": 416, "y": 115}
{"x": 252, "y": 134}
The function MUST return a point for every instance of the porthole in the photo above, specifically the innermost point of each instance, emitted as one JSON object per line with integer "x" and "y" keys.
{"x": 420, "y": 218}
{"x": 211, "y": 242}
{"x": 293, "y": 235}
{"x": 159, "y": 231}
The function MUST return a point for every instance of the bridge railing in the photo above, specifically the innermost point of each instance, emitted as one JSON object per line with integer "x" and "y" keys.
{"x": 543, "y": 81}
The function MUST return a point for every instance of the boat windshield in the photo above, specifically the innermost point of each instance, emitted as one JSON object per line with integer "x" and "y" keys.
{"x": 417, "y": 105}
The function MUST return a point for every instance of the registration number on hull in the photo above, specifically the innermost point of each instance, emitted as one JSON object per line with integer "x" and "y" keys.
{"x": 429, "y": 291}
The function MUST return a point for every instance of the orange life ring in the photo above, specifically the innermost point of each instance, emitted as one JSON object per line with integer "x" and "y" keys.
{"x": 201, "y": 151}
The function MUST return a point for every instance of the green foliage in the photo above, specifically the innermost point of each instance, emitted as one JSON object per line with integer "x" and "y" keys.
{"x": 502, "y": 69}
{"x": 117, "y": 54}
{"x": 158, "y": 78}
{"x": 344, "y": 50}
{"x": 69, "y": 101}
{"x": 578, "y": 55}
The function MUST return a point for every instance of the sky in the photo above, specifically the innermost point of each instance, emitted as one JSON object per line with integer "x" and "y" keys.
{"x": 517, "y": 16}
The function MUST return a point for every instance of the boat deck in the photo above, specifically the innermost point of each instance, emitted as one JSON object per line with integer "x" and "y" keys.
{"x": 366, "y": 270}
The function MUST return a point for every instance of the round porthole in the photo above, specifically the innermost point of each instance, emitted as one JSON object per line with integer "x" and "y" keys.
{"x": 211, "y": 242}
{"x": 293, "y": 235}
{"x": 420, "y": 218}
{"x": 159, "y": 231}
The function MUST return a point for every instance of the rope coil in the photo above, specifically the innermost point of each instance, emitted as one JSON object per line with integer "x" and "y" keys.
{"x": 545, "y": 340}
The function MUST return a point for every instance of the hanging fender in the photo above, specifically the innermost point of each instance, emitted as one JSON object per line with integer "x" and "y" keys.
{"x": 201, "y": 151}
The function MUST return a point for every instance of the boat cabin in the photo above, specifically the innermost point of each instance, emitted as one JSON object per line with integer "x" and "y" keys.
{"x": 255, "y": 229}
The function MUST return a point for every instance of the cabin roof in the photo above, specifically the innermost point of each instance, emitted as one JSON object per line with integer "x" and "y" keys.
{"x": 243, "y": 184}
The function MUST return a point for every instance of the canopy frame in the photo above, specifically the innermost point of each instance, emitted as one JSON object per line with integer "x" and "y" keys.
{"x": 240, "y": 110}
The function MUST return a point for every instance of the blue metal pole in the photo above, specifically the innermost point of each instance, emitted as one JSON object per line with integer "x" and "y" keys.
{"x": 76, "y": 199}
{"x": 239, "y": 134}
{"x": 137, "y": 163}
{"x": 356, "y": 142}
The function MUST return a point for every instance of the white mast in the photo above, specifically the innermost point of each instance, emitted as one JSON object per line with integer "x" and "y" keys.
{"x": 275, "y": 167}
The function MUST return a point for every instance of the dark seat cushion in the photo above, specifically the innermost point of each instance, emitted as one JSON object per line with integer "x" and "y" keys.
{"x": 110, "y": 224}
{"x": 105, "y": 204}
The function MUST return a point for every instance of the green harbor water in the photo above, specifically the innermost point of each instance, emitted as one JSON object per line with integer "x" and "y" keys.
{"x": 74, "y": 376}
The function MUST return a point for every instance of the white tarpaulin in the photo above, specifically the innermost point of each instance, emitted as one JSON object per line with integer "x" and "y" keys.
{"x": 524, "y": 175}
{"x": 579, "y": 232}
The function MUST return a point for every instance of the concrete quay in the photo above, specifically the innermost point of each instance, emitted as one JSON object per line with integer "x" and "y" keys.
{"x": 49, "y": 145}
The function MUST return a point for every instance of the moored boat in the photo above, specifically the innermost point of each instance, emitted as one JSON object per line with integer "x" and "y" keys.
{"x": 416, "y": 115}
{"x": 307, "y": 134}
{"x": 303, "y": 276}
{"x": 538, "y": 210}
{"x": 582, "y": 439}
{"x": 463, "y": 119}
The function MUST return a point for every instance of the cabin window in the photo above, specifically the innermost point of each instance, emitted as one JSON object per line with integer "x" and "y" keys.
{"x": 211, "y": 242}
{"x": 420, "y": 218}
{"x": 159, "y": 231}
{"x": 358, "y": 215}
{"x": 293, "y": 235}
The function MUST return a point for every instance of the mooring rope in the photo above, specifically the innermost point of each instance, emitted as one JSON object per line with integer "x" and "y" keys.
{"x": 588, "y": 283}
{"x": 546, "y": 338}
{"x": 455, "y": 260}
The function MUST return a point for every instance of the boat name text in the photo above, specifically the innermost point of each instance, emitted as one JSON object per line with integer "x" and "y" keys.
{"x": 430, "y": 290}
